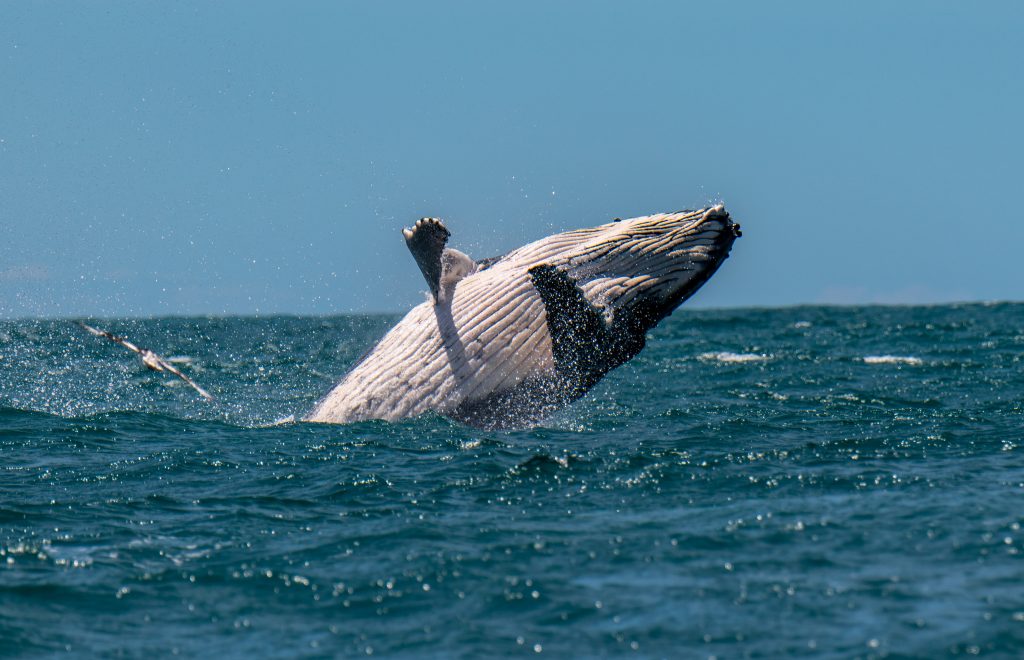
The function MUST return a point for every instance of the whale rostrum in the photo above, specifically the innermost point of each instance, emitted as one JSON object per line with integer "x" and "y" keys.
{"x": 505, "y": 342}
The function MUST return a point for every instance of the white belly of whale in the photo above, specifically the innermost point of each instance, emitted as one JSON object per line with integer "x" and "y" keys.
{"x": 500, "y": 341}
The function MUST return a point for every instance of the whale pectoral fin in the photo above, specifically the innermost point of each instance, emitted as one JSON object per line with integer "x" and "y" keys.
{"x": 426, "y": 241}
{"x": 579, "y": 334}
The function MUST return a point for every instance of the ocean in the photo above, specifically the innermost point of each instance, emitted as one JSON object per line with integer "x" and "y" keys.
{"x": 808, "y": 481}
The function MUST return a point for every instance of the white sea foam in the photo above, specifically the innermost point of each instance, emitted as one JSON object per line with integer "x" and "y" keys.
{"x": 726, "y": 356}
{"x": 892, "y": 359}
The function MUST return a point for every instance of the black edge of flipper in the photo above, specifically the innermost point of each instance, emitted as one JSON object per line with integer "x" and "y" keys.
{"x": 426, "y": 241}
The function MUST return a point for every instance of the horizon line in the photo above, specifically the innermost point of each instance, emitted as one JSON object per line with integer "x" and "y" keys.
{"x": 699, "y": 308}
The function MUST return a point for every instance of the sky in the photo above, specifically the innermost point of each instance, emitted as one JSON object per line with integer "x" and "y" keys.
{"x": 252, "y": 157}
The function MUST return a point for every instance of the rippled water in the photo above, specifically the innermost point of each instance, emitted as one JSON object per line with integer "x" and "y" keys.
{"x": 830, "y": 481}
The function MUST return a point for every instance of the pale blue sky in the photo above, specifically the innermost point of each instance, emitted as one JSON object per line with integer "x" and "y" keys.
{"x": 235, "y": 157}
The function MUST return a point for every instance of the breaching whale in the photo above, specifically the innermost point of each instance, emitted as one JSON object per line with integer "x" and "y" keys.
{"x": 507, "y": 341}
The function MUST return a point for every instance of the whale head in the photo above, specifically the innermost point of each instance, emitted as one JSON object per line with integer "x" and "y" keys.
{"x": 638, "y": 271}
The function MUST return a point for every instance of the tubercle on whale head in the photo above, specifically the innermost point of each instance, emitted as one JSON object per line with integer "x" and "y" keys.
{"x": 720, "y": 211}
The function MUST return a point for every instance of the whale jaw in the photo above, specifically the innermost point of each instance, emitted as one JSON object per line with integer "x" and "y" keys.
{"x": 530, "y": 332}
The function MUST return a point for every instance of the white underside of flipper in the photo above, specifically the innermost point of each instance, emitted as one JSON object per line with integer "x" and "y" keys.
{"x": 455, "y": 266}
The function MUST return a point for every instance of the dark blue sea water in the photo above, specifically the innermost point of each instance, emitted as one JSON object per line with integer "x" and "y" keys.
{"x": 835, "y": 482}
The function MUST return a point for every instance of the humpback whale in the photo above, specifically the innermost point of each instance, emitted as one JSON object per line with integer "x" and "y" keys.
{"x": 505, "y": 342}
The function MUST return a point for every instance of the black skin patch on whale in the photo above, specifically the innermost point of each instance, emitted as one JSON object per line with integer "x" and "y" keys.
{"x": 583, "y": 345}
{"x": 578, "y": 330}
{"x": 584, "y": 348}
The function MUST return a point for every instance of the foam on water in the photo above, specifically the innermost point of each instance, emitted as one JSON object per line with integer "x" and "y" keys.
{"x": 728, "y": 357}
{"x": 892, "y": 359}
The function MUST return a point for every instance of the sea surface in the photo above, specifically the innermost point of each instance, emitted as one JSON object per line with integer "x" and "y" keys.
{"x": 809, "y": 481}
